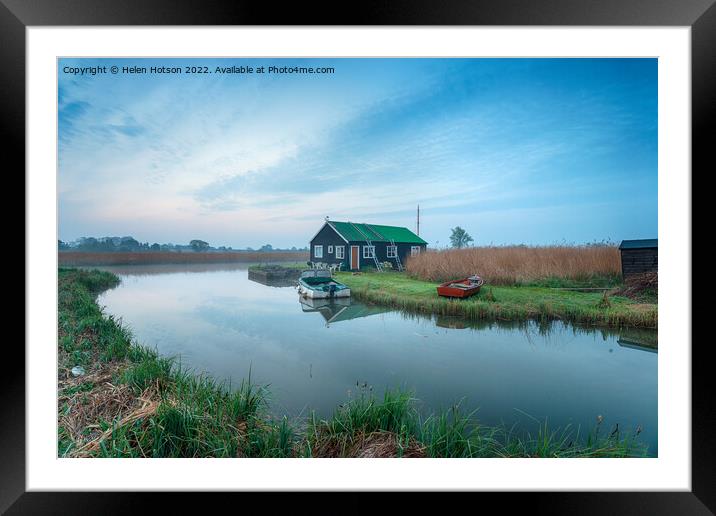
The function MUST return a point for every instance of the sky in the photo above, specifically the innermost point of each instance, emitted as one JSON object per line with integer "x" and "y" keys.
{"x": 515, "y": 151}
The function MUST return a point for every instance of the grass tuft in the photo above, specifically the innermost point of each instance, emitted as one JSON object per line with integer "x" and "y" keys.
{"x": 604, "y": 301}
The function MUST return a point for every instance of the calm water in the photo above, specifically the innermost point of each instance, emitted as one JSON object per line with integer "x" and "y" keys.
{"x": 312, "y": 356}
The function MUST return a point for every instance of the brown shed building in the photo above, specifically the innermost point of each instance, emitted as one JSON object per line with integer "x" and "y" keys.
{"x": 639, "y": 256}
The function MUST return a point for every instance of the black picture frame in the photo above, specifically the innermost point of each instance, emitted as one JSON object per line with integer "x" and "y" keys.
{"x": 700, "y": 15}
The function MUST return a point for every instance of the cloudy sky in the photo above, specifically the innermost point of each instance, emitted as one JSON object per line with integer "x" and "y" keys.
{"x": 534, "y": 151}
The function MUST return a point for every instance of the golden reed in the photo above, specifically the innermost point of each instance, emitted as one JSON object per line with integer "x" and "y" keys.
{"x": 517, "y": 264}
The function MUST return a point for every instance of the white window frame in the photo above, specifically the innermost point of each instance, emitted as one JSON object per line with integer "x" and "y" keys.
{"x": 392, "y": 251}
{"x": 342, "y": 254}
{"x": 414, "y": 250}
{"x": 330, "y": 249}
{"x": 371, "y": 251}
{"x": 318, "y": 251}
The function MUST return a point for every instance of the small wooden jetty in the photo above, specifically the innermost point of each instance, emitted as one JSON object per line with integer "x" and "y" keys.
{"x": 272, "y": 274}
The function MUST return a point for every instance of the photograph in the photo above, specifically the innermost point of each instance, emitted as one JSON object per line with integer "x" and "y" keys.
{"x": 357, "y": 257}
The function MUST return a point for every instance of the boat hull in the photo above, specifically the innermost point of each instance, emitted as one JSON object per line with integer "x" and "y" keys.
{"x": 319, "y": 284}
{"x": 312, "y": 293}
{"x": 460, "y": 289}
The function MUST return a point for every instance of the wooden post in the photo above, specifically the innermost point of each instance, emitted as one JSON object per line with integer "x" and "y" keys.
{"x": 418, "y": 220}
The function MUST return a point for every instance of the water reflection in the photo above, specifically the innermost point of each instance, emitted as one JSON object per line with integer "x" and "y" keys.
{"x": 312, "y": 353}
{"x": 340, "y": 309}
{"x": 634, "y": 338}
{"x": 640, "y": 345}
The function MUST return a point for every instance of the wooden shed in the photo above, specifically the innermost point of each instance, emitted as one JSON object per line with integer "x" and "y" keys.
{"x": 356, "y": 246}
{"x": 639, "y": 256}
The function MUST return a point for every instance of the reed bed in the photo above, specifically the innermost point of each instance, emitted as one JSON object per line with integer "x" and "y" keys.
{"x": 84, "y": 258}
{"x": 551, "y": 266}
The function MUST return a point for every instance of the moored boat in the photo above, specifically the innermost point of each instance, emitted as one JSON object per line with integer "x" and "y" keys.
{"x": 319, "y": 284}
{"x": 461, "y": 288}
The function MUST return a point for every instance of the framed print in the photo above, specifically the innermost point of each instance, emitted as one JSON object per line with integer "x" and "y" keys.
{"x": 426, "y": 233}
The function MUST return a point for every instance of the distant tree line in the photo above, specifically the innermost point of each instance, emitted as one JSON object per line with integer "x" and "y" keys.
{"x": 128, "y": 244}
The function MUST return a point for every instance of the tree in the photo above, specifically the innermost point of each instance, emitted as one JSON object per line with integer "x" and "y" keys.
{"x": 266, "y": 248}
{"x": 199, "y": 245}
{"x": 460, "y": 238}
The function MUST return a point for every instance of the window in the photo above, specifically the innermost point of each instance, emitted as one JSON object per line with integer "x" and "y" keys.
{"x": 318, "y": 251}
{"x": 392, "y": 251}
{"x": 339, "y": 252}
{"x": 330, "y": 249}
{"x": 414, "y": 250}
{"x": 368, "y": 251}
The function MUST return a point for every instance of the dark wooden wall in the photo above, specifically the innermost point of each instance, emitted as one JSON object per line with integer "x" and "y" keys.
{"x": 381, "y": 252}
{"x": 638, "y": 261}
{"x": 327, "y": 236}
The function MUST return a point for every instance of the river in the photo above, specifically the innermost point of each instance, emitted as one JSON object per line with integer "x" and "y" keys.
{"x": 316, "y": 356}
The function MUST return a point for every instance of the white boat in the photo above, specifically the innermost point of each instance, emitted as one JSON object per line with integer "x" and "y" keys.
{"x": 319, "y": 284}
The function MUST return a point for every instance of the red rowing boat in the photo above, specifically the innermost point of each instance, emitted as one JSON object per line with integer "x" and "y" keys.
{"x": 461, "y": 288}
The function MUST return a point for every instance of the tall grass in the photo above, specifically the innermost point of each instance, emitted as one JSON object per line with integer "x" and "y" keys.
{"x": 366, "y": 426}
{"x": 519, "y": 264}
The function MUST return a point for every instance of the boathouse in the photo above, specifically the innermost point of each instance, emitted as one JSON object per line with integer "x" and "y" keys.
{"x": 357, "y": 246}
{"x": 639, "y": 256}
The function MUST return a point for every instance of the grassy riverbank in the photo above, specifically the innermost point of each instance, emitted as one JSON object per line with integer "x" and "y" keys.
{"x": 131, "y": 402}
{"x": 502, "y": 302}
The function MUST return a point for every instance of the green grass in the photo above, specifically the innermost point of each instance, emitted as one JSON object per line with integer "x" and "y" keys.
{"x": 169, "y": 411}
{"x": 501, "y": 302}
{"x": 590, "y": 281}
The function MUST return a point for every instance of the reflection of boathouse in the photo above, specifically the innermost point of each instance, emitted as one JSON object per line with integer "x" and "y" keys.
{"x": 636, "y": 338}
{"x": 338, "y": 310}
{"x": 636, "y": 345}
{"x": 643, "y": 340}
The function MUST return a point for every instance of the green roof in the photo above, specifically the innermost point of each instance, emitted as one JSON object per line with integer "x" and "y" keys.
{"x": 353, "y": 231}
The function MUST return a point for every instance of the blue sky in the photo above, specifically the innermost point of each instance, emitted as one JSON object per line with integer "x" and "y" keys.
{"x": 534, "y": 151}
